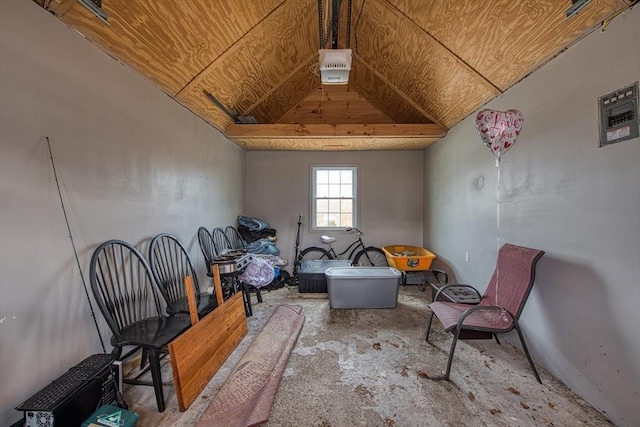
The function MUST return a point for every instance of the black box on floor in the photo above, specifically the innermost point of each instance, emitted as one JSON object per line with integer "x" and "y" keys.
{"x": 311, "y": 278}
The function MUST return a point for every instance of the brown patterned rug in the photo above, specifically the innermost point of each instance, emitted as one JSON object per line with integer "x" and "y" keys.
{"x": 246, "y": 397}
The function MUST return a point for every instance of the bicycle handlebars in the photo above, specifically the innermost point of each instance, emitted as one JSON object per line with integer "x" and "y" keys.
{"x": 350, "y": 229}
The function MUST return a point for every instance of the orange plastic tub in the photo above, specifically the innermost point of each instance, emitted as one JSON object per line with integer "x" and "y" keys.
{"x": 408, "y": 258}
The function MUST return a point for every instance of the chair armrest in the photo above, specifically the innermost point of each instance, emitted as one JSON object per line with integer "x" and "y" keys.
{"x": 440, "y": 273}
{"x": 473, "y": 309}
{"x": 450, "y": 285}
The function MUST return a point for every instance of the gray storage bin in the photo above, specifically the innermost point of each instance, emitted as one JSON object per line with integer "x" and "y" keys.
{"x": 311, "y": 276}
{"x": 363, "y": 287}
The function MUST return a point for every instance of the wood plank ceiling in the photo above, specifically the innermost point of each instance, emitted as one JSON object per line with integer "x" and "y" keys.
{"x": 418, "y": 67}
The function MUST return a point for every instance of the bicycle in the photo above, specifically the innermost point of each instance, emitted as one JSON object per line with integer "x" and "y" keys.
{"x": 359, "y": 254}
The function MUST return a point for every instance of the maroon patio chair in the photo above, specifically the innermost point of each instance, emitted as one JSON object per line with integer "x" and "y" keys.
{"x": 499, "y": 309}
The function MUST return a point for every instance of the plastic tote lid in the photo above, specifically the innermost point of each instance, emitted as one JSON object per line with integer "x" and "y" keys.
{"x": 363, "y": 272}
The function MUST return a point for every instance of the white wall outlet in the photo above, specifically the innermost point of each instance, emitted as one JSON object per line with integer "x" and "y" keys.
{"x": 466, "y": 256}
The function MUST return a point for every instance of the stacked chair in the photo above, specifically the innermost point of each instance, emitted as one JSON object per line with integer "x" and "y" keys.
{"x": 127, "y": 295}
{"x": 170, "y": 264}
{"x": 145, "y": 303}
{"x": 223, "y": 245}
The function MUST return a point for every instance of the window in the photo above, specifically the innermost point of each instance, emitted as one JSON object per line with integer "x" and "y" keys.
{"x": 334, "y": 197}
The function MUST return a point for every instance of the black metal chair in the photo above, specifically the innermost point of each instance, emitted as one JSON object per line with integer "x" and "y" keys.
{"x": 234, "y": 237}
{"x": 170, "y": 264}
{"x": 127, "y": 295}
{"x": 207, "y": 247}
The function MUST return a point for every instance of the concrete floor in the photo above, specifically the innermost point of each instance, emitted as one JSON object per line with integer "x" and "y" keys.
{"x": 373, "y": 368}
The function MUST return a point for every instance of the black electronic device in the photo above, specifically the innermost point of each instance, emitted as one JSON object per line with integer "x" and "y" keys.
{"x": 75, "y": 395}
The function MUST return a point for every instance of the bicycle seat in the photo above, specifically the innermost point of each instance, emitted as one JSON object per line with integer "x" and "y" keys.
{"x": 327, "y": 239}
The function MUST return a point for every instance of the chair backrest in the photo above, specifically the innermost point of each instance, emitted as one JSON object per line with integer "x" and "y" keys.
{"x": 207, "y": 247}
{"x": 513, "y": 278}
{"x": 122, "y": 285}
{"x": 170, "y": 264}
{"x": 220, "y": 241}
{"x": 237, "y": 243}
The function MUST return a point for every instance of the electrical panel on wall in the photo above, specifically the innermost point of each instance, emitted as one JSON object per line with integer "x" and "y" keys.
{"x": 619, "y": 115}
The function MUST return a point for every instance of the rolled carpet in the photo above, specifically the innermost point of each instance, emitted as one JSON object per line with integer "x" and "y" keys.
{"x": 246, "y": 397}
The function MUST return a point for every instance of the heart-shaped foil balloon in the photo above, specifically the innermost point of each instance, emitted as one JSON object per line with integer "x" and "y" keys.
{"x": 499, "y": 129}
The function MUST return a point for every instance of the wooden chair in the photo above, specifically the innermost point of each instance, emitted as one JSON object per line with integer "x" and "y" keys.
{"x": 499, "y": 309}
{"x": 236, "y": 240}
{"x": 127, "y": 296}
{"x": 207, "y": 247}
{"x": 170, "y": 264}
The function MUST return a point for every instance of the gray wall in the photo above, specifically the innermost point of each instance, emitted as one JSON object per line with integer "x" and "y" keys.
{"x": 389, "y": 188}
{"x": 562, "y": 193}
{"x": 131, "y": 162}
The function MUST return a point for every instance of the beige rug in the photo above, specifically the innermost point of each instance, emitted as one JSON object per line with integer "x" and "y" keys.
{"x": 246, "y": 397}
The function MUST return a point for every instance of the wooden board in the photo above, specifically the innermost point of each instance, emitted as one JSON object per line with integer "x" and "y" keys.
{"x": 335, "y": 104}
{"x": 324, "y": 144}
{"x": 420, "y": 67}
{"x": 286, "y": 94}
{"x": 260, "y": 61}
{"x": 385, "y": 95}
{"x": 197, "y": 354}
{"x": 414, "y": 61}
{"x": 504, "y": 40}
{"x": 170, "y": 42}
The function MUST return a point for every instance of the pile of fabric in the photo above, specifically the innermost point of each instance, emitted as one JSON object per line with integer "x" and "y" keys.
{"x": 258, "y": 235}
{"x": 260, "y": 238}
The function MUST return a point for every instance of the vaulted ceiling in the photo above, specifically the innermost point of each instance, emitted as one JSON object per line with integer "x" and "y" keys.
{"x": 419, "y": 67}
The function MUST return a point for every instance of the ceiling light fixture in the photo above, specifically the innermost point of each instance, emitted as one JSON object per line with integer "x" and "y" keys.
{"x": 95, "y": 6}
{"x": 576, "y": 6}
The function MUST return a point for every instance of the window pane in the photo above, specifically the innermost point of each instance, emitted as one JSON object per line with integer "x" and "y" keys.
{"x": 322, "y": 205}
{"x": 346, "y": 220}
{"x": 346, "y": 206}
{"x": 334, "y": 220}
{"x": 334, "y": 205}
{"x": 346, "y": 190}
{"x": 322, "y": 177}
{"x": 346, "y": 177}
{"x": 334, "y": 190}
{"x": 322, "y": 220}
{"x": 322, "y": 190}
{"x": 334, "y": 177}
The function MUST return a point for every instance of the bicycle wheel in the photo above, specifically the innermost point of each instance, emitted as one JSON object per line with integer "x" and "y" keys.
{"x": 370, "y": 257}
{"x": 312, "y": 253}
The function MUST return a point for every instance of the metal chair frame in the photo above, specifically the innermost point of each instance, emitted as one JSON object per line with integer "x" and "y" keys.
{"x": 526, "y": 257}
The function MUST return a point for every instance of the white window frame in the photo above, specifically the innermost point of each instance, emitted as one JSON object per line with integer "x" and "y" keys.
{"x": 354, "y": 192}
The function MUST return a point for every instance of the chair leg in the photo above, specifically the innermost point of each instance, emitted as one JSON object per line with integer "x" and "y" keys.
{"x": 143, "y": 358}
{"x": 246, "y": 295}
{"x": 156, "y": 376}
{"x": 451, "y": 351}
{"x": 426, "y": 338}
{"x": 526, "y": 351}
{"x": 497, "y": 340}
{"x": 258, "y": 295}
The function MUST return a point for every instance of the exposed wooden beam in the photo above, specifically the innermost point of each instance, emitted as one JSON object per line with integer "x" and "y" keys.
{"x": 282, "y": 130}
